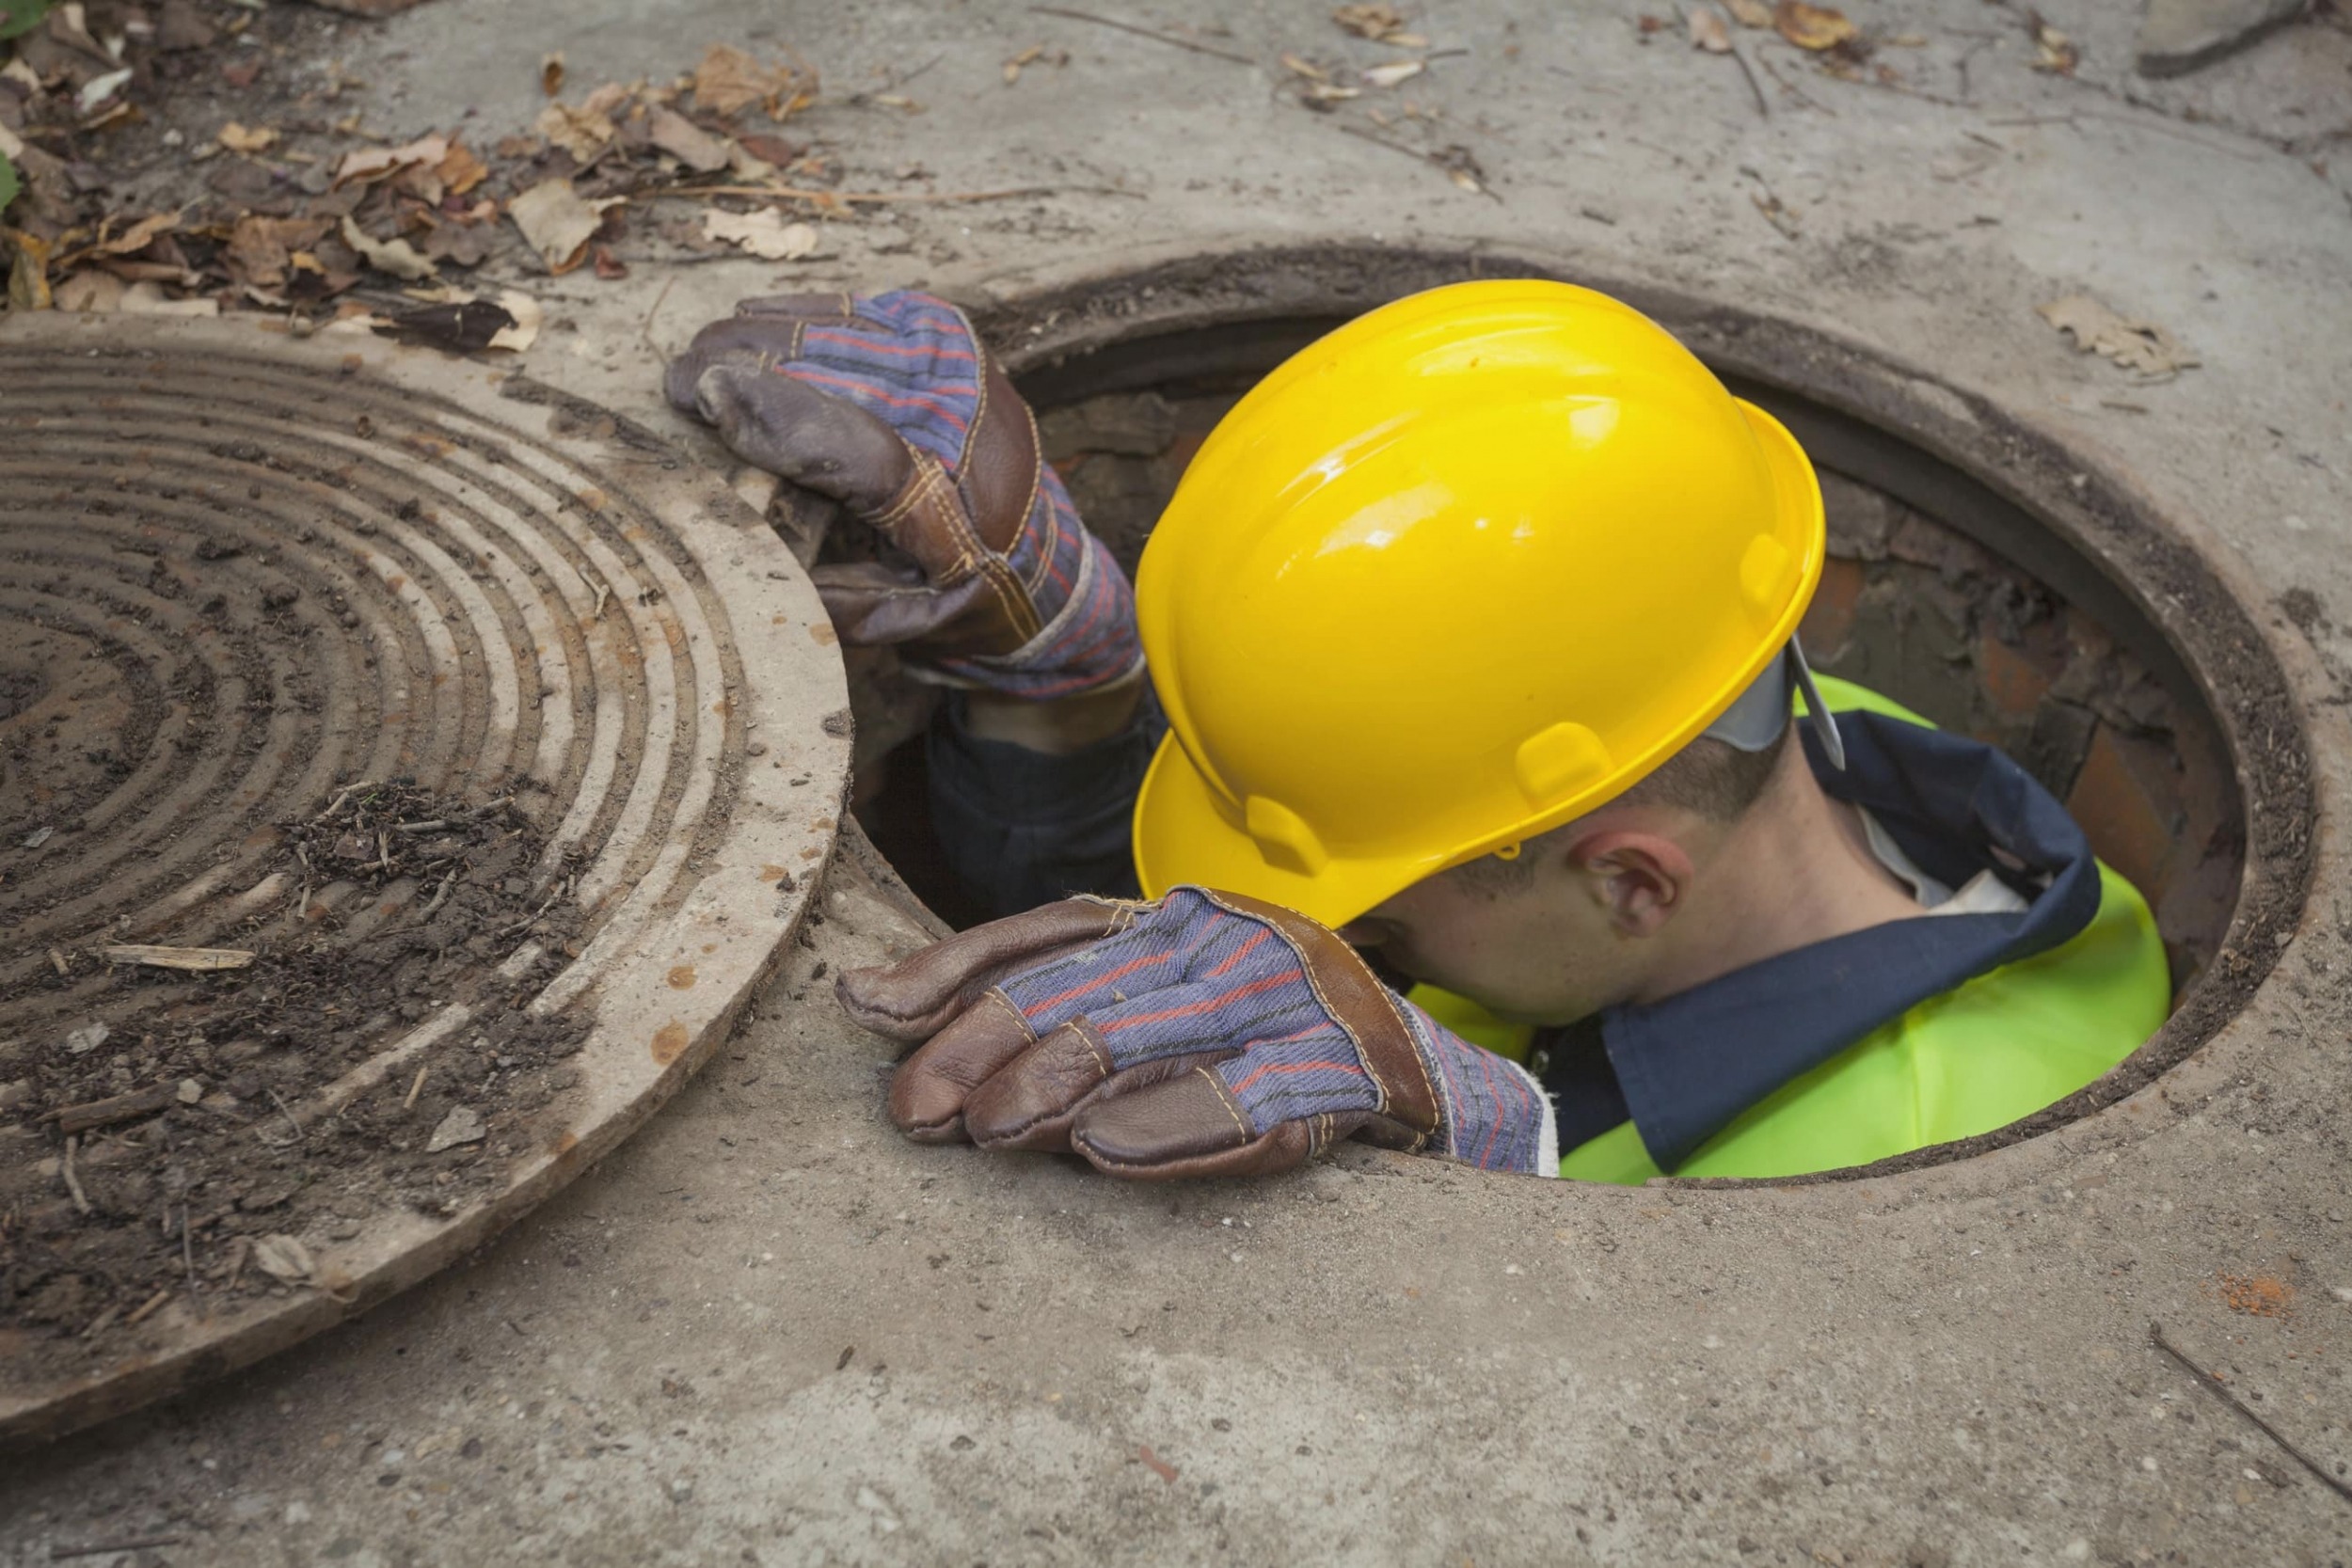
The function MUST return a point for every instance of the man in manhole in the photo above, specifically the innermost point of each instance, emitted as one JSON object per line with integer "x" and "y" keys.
{"x": 1472, "y": 665}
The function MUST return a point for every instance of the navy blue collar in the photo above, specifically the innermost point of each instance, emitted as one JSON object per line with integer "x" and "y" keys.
{"x": 1686, "y": 1067}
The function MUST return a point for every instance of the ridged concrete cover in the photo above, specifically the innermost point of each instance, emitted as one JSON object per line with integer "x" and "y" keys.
{"x": 251, "y": 571}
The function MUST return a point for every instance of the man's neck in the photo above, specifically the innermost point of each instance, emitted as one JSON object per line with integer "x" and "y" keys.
{"x": 1797, "y": 869}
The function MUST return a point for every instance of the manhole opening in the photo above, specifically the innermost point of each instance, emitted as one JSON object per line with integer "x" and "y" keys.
{"x": 1943, "y": 592}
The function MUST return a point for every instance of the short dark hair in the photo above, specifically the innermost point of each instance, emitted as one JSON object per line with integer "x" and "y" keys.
{"x": 1709, "y": 778}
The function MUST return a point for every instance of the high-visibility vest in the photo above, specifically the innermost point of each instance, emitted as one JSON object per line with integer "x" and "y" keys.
{"x": 1994, "y": 1049}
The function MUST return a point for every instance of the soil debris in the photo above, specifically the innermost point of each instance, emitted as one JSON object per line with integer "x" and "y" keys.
{"x": 167, "y": 1124}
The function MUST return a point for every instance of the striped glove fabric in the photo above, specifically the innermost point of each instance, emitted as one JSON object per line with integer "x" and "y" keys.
{"x": 1204, "y": 1034}
{"x": 889, "y": 405}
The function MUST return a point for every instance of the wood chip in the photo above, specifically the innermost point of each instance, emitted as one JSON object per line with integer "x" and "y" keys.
{"x": 114, "y": 1108}
{"x": 201, "y": 958}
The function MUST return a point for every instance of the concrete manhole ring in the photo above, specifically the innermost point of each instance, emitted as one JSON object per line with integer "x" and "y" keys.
{"x": 239, "y": 572}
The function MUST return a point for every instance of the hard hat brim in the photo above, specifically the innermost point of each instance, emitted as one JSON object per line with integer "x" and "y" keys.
{"x": 1184, "y": 834}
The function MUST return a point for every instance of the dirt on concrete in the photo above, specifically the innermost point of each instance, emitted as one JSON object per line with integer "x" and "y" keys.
{"x": 171, "y": 1127}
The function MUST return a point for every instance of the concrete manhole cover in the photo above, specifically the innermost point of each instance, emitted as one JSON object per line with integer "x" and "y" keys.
{"x": 483, "y": 750}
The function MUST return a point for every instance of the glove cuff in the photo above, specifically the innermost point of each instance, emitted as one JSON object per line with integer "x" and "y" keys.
{"x": 1090, "y": 644}
{"x": 1493, "y": 1113}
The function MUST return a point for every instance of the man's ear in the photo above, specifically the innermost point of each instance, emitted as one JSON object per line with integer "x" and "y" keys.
{"x": 1639, "y": 879}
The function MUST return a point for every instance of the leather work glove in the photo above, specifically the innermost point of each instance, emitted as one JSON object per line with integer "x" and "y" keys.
{"x": 1203, "y": 1034}
{"x": 889, "y": 404}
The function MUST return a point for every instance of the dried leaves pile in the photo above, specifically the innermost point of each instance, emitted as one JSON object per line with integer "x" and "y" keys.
{"x": 312, "y": 214}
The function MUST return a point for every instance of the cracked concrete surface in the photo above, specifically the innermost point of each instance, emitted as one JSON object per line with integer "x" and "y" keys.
{"x": 766, "y": 1330}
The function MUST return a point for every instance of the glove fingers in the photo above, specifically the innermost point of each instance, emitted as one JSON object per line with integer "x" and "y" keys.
{"x": 1031, "y": 1102}
{"x": 795, "y": 431}
{"x": 916, "y": 997}
{"x": 931, "y": 1089}
{"x": 831, "y": 308}
{"x": 741, "y": 341}
{"x": 1190, "y": 1127}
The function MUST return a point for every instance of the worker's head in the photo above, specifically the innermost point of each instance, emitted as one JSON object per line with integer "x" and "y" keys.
{"x": 1595, "y": 912}
{"x": 1476, "y": 570}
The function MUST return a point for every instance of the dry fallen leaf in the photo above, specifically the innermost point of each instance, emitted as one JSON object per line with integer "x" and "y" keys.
{"x": 729, "y": 81}
{"x": 375, "y": 163}
{"x": 397, "y": 257}
{"x": 764, "y": 233}
{"x": 1305, "y": 68}
{"x": 90, "y": 293}
{"x": 28, "y": 270}
{"x": 583, "y": 133}
{"x": 238, "y": 138}
{"x": 139, "y": 236}
{"x": 558, "y": 223}
{"x": 527, "y": 315}
{"x": 261, "y": 248}
{"x": 1814, "y": 28}
{"x": 1707, "y": 31}
{"x": 1377, "y": 23}
{"x": 282, "y": 1258}
{"x": 1390, "y": 75}
{"x": 1027, "y": 56}
{"x": 551, "y": 73}
{"x": 1751, "y": 13}
{"x": 461, "y": 172}
{"x": 2147, "y": 350}
{"x": 146, "y": 298}
{"x": 686, "y": 141}
{"x": 2054, "y": 50}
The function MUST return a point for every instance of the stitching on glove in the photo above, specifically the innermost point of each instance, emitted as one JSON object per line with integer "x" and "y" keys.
{"x": 1049, "y": 537}
{"x": 1225, "y": 1097}
{"x": 1307, "y": 969}
{"x": 996, "y": 994}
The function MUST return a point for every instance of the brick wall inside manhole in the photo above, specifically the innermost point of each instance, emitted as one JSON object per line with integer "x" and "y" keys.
{"x": 1938, "y": 592}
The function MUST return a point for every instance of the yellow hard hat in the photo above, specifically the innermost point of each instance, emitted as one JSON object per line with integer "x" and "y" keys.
{"x": 1465, "y": 569}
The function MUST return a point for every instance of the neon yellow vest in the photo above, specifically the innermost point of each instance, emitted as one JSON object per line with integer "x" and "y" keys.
{"x": 1997, "y": 1048}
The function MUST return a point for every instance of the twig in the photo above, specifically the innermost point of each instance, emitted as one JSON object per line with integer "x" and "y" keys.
{"x": 300, "y": 1137}
{"x": 61, "y": 1553}
{"x": 1151, "y": 33}
{"x": 152, "y": 1301}
{"x": 432, "y": 826}
{"x": 1737, "y": 52}
{"x": 187, "y": 1251}
{"x": 57, "y": 961}
{"x": 2222, "y": 1391}
{"x": 72, "y": 1120}
{"x": 1731, "y": 46}
{"x": 803, "y": 193}
{"x": 415, "y": 1088}
{"x": 441, "y": 897}
{"x": 1432, "y": 159}
{"x": 345, "y": 793}
{"x": 645, "y": 332}
{"x": 74, "y": 1183}
{"x": 1799, "y": 93}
